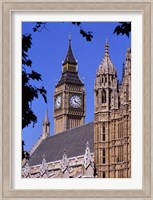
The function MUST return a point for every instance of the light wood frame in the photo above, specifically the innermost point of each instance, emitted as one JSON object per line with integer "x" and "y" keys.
{"x": 6, "y": 6}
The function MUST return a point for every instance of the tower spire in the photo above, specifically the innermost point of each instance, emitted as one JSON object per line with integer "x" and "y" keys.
{"x": 69, "y": 56}
{"x": 106, "y": 47}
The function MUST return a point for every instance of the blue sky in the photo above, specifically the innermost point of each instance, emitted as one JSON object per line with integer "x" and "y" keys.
{"x": 49, "y": 50}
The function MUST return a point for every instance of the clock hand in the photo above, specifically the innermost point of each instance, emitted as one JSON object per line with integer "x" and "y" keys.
{"x": 77, "y": 102}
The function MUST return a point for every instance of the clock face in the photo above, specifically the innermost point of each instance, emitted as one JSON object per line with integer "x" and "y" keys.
{"x": 58, "y": 102}
{"x": 75, "y": 101}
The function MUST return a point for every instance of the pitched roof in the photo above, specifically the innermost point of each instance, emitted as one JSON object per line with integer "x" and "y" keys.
{"x": 69, "y": 56}
{"x": 71, "y": 78}
{"x": 72, "y": 141}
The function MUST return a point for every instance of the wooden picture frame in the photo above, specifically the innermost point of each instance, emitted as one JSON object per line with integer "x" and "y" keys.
{"x": 6, "y": 7}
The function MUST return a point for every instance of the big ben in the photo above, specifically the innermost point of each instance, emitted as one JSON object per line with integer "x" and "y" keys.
{"x": 69, "y": 96}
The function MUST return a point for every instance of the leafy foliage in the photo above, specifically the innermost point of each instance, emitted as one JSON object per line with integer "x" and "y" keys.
{"x": 25, "y": 154}
{"x": 87, "y": 34}
{"x": 124, "y": 28}
{"x": 29, "y": 92}
{"x": 39, "y": 26}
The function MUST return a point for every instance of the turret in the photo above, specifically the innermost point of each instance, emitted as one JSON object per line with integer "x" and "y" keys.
{"x": 106, "y": 102}
{"x": 106, "y": 83}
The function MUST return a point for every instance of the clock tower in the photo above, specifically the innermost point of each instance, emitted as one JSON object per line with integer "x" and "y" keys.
{"x": 69, "y": 96}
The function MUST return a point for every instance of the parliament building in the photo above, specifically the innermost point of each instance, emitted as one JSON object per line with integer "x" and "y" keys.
{"x": 99, "y": 149}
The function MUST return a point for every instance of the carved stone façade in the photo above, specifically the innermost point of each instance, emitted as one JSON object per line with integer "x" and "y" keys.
{"x": 100, "y": 149}
{"x": 77, "y": 167}
{"x": 69, "y": 96}
{"x": 112, "y": 119}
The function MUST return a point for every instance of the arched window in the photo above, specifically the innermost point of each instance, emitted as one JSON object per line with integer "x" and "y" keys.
{"x": 127, "y": 92}
{"x": 103, "y": 133}
{"x": 97, "y": 97}
{"x": 103, "y": 127}
{"x": 103, "y": 96}
{"x": 106, "y": 79}
{"x": 120, "y": 154}
{"x": 103, "y": 156}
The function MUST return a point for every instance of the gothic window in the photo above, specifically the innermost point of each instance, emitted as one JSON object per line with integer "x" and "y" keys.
{"x": 110, "y": 97}
{"x": 127, "y": 92}
{"x": 119, "y": 103}
{"x": 120, "y": 154}
{"x": 105, "y": 79}
{"x": 103, "y": 96}
{"x": 103, "y": 174}
{"x": 103, "y": 134}
{"x": 103, "y": 156}
{"x": 104, "y": 152}
{"x": 120, "y": 130}
{"x": 97, "y": 133}
{"x": 110, "y": 80}
{"x": 103, "y": 127}
{"x": 97, "y": 96}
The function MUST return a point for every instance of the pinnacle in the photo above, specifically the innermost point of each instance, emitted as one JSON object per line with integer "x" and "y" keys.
{"x": 46, "y": 116}
{"x": 106, "y": 47}
{"x": 69, "y": 56}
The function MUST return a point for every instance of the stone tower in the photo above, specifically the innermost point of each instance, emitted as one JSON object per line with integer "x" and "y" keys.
{"x": 124, "y": 124}
{"x": 110, "y": 124}
{"x": 69, "y": 96}
{"x": 105, "y": 99}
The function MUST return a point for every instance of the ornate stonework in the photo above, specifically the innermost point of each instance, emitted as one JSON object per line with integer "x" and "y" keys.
{"x": 112, "y": 119}
{"x": 76, "y": 167}
{"x": 69, "y": 96}
{"x": 99, "y": 149}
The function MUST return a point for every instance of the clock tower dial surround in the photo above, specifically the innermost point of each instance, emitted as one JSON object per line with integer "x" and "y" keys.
{"x": 58, "y": 101}
{"x": 69, "y": 111}
{"x": 75, "y": 101}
